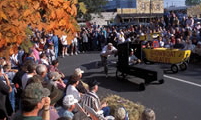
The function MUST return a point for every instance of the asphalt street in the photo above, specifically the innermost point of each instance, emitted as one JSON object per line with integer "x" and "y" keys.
{"x": 178, "y": 98}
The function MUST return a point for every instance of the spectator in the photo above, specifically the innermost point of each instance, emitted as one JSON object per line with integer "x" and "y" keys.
{"x": 92, "y": 100}
{"x": 41, "y": 70}
{"x": 55, "y": 41}
{"x": 197, "y": 52}
{"x": 31, "y": 72}
{"x": 68, "y": 106}
{"x": 55, "y": 95}
{"x": 78, "y": 75}
{"x": 85, "y": 40}
{"x": 44, "y": 59}
{"x": 10, "y": 75}
{"x": 55, "y": 79}
{"x": 54, "y": 68}
{"x": 30, "y": 56}
{"x": 148, "y": 114}
{"x": 71, "y": 88}
{"x": 121, "y": 114}
{"x": 34, "y": 99}
{"x": 168, "y": 44}
{"x": 189, "y": 46}
{"x": 5, "y": 89}
{"x": 64, "y": 45}
{"x": 161, "y": 42}
{"x": 51, "y": 53}
{"x": 178, "y": 44}
{"x": 20, "y": 54}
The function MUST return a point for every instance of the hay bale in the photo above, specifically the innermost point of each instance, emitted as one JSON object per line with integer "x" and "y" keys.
{"x": 134, "y": 110}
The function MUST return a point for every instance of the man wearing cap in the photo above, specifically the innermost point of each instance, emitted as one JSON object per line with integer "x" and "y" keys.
{"x": 55, "y": 79}
{"x": 132, "y": 59}
{"x": 34, "y": 98}
{"x": 92, "y": 100}
{"x": 107, "y": 50}
{"x": 68, "y": 106}
{"x": 78, "y": 75}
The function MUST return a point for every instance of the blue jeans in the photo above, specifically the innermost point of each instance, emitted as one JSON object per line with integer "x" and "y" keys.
{"x": 12, "y": 99}
{"x": 106, "y": 111}
{"x": 56, "y": 49}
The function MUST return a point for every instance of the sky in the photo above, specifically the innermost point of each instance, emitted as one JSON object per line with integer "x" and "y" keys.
{"x": 174, "y": 2}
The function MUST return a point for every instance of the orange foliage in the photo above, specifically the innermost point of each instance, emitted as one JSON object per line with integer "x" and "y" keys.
{"x": 15, "y": 15}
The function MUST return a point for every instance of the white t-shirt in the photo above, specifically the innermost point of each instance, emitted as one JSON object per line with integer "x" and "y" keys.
{"x": 106, "y": 50}
{"x": 63, "y": 40}
{"x": 71, "y": 90}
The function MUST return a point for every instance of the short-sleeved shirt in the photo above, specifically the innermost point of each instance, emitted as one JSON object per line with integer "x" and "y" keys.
{"x": 105, "y": 49}
{"x": 71, "y": 90}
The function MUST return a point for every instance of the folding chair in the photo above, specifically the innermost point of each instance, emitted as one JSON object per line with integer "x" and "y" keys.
{"x": 93, "y": 114}
{"x": 82, "y": 114}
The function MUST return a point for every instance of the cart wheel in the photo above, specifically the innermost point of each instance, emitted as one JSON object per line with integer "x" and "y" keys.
{"x": 161, "y": 81}
{"x": 183, "y": 66}
{"x": 174, "y": 68}
{"x": 141, "y": 86}
{"x": 119, "y": 75}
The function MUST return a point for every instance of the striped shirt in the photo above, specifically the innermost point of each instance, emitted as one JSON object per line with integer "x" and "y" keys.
{"x": 92, "y": 100}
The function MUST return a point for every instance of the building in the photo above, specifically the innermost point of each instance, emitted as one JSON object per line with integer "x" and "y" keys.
{"x": 133, "y": 11}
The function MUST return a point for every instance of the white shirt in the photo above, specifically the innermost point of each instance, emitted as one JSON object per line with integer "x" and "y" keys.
{"x": 25, "y": 78}
{"x": 14, "y": 60}
{"x": 71, "y": 90}
{"x": 63, "y": 40}
{"x": 106, "y": 50}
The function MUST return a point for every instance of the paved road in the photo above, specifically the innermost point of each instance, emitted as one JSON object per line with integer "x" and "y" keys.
{"x": 178, "y": 98}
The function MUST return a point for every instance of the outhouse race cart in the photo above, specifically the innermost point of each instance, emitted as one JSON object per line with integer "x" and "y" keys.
{"x": 178, "y": 59}
{"x": 146, "y": 72}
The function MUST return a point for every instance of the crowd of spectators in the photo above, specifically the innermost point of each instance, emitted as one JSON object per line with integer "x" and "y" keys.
{"x": 32, "y": 86}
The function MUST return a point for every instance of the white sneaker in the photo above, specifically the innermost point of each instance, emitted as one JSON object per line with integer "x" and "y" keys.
{"x": 75, "y": 53}
{"x": 66, "y": 54}
{"x": 71, "y": 54}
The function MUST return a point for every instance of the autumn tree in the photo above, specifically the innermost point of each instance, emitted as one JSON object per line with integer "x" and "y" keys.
{"x": 15, "y": 15}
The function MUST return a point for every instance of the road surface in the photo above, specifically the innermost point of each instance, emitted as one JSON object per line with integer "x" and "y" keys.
{"x": 178, "y": 98}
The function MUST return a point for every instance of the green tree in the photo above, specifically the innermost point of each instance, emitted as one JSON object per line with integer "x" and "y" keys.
{"x": 192, "y": 2}
{"x": 92, "y": 6}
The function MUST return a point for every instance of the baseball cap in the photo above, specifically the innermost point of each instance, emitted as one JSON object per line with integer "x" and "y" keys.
{"x": 69, "y": 100}
{"x": 54, "y": 76}
{"x": 78, "y": 71}
{"x": 34, "y": 92}
{"x": 55, "y": 93}
{"x": 92, "y": 83}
